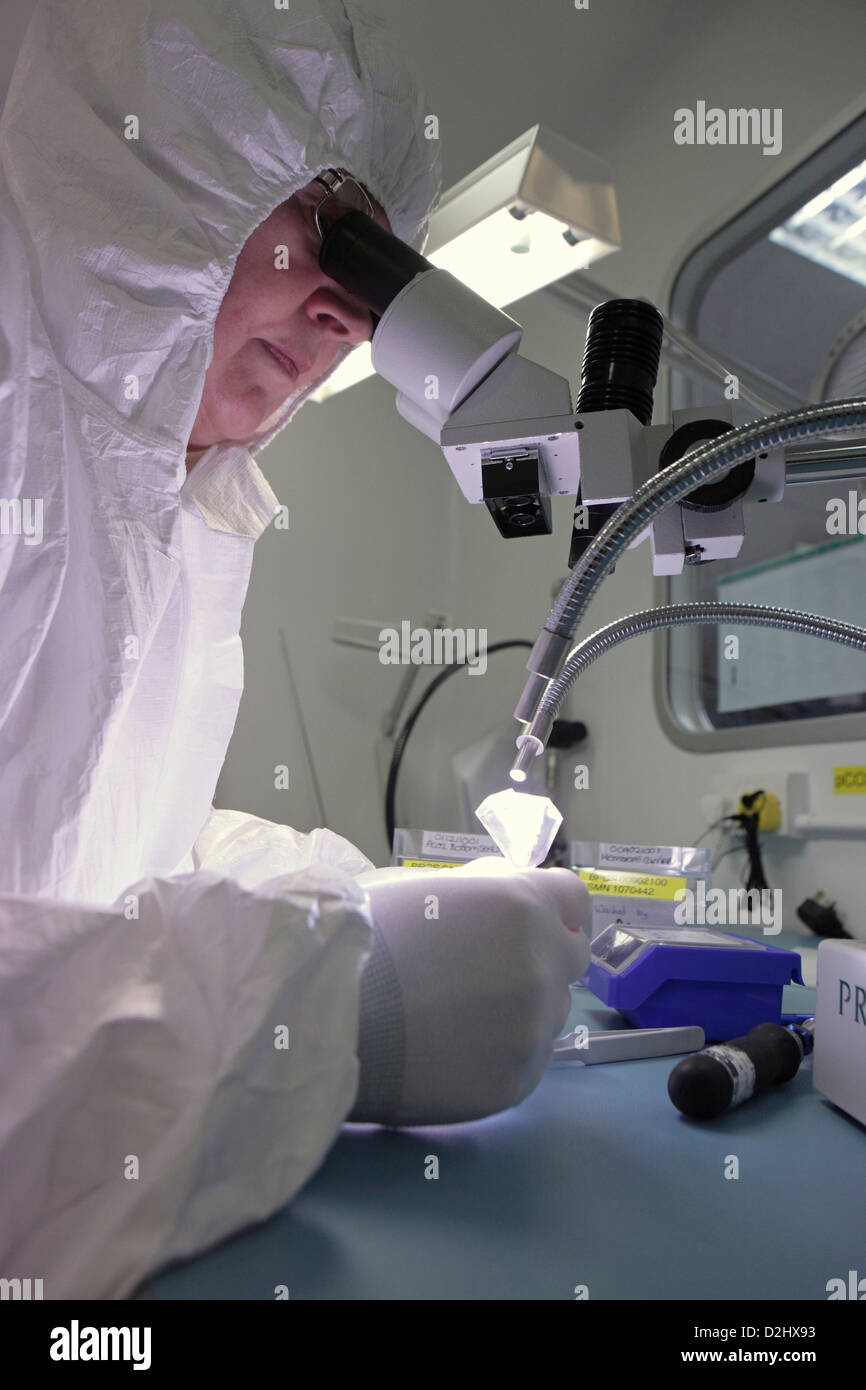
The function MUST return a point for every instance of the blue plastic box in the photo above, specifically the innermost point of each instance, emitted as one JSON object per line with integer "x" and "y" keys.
{"x": 664, "y": 978}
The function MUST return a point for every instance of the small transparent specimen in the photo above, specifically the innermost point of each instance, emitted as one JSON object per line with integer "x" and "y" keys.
{"x": 523, "y": 826}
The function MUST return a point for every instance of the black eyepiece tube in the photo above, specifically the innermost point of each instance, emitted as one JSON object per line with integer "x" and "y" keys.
{"x": 621, "y": 358}
{"x": 371, "y": 263}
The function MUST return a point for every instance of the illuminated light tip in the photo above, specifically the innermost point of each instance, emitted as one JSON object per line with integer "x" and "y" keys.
{"x": 521, "y": 825}
{"x": 530, "y": 747}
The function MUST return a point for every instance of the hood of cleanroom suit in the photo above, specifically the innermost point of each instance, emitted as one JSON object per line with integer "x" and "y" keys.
{"x": 150, "y": 946}
{"x": 121, "y": 665}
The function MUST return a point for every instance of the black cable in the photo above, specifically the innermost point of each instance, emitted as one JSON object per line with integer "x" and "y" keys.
{"x": 709, "y": 829}
{"x": 722, "y": 820}
{"x": 712, "y": 826}
{"x": 411, "y": 720}
{"x": 724, "y": 854}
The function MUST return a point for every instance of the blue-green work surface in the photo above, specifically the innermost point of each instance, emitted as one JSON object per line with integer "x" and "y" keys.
{"x": 595, "y": 1182}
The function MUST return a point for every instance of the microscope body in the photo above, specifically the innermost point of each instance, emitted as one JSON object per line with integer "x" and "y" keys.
{"x": 513, "y": 440}
{"x": 509, "y": 430}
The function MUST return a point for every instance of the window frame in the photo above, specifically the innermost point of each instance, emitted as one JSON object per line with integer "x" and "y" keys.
{"x": 676, "y": 697}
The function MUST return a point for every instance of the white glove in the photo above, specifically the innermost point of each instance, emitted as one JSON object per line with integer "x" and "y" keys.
{"x": 466, "y": 988}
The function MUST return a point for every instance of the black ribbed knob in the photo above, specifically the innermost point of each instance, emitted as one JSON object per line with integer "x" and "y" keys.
{"x": 621, "y": 358}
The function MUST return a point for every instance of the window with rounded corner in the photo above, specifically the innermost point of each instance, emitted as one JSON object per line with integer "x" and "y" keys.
{"x": 779, "y": 295}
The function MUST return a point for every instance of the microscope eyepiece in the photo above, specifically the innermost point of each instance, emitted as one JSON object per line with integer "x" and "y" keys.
{"x": 369, "y": 261}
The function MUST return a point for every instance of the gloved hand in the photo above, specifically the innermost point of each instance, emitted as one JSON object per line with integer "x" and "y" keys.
{"x": 466, "y": 988}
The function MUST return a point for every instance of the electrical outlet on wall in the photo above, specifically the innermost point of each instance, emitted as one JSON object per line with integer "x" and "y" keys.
{"x": 723, "y": 796}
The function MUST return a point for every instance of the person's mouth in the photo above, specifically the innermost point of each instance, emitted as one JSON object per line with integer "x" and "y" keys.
{"x": 290, "y": 366}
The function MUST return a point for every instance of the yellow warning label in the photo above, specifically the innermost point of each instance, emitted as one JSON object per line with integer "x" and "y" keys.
{"x": 848, "y": 780}
{"x": 429, "y": 864}
{"x": 624, "y": 885}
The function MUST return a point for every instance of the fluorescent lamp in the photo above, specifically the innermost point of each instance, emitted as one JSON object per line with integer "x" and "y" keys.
{"x": 533, "y": 213}
{"x": 831, "y": 228}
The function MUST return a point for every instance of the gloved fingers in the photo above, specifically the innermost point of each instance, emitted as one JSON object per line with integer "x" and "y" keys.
{"x": 565, "y": 893}
{"x": 576, "y": 954}
{"x": 389, "y": 874}
{"x": 488, "y": 866}
{"x": 559, "y": 890}
{"x": 563, "y": 1015}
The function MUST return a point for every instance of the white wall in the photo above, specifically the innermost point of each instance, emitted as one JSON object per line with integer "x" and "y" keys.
{"x": 379, "y": 529}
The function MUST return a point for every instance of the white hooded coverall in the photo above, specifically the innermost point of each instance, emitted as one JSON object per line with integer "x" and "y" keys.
{"x": 178, "y": 985}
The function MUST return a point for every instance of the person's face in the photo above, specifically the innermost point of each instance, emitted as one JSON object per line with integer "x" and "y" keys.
{"x": 297, "y": 309}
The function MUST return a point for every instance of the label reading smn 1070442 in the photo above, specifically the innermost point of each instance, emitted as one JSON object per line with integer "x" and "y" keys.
{"x": 624, "y": 885}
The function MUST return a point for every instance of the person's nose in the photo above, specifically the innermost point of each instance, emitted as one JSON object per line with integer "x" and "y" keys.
{"x": 338, "y": 315}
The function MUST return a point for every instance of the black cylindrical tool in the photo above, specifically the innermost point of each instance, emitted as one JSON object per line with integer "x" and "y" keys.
{"x": 710, "y": 1082}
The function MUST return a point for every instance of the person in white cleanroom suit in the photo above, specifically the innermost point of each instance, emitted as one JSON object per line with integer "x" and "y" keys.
{"x": 193, "y": 1001}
